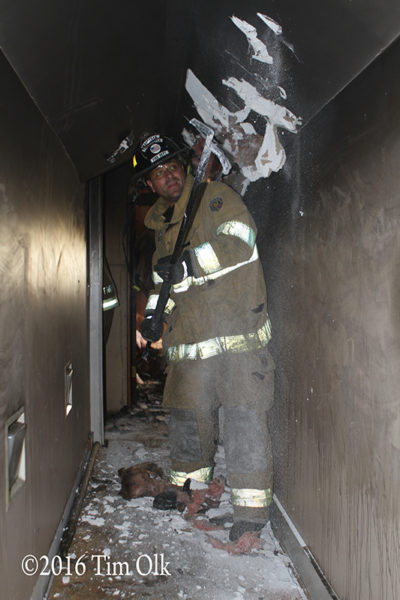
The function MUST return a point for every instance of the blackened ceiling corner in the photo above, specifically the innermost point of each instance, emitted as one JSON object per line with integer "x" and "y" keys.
{"x": 101, "y": 71}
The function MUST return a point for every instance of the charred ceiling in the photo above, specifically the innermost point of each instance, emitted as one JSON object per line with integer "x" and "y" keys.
{"x": 102, "y": 71}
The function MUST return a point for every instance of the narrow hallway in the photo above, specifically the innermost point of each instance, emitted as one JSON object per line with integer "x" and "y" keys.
{"x": 168, "y": 558}
{"x": 302, "y": 100}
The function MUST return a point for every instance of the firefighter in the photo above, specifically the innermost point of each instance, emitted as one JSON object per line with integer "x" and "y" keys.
{"x": 216, "y": 333}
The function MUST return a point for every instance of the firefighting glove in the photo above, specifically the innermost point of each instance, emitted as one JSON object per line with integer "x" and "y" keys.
{"x": 174, "y": 272}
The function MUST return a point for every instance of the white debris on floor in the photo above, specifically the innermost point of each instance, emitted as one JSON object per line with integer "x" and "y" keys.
{"x": 127, "y": 549}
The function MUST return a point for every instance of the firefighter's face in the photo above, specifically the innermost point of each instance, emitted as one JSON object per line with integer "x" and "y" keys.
{"x": 168, "y": 180}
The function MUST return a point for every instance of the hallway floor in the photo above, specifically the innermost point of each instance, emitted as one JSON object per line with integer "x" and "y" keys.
{"x": 166, "y": 558}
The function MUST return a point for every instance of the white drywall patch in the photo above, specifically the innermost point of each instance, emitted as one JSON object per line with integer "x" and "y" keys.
{"x": 276, "y": 28}
{"x": 260, "y": 49}
{"x": 210, "y": 110}
{"x": 256, "y": 154}
{"x": 282, "y": 92}
{"x": 276, "y": 114}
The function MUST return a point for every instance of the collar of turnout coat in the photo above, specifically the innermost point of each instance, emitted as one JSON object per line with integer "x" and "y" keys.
{"x": 155, "y": 217}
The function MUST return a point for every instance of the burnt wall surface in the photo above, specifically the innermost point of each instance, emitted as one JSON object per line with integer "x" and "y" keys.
{"x": 100, "y": 71}
{"x": 117, "y": 371}
{"x": 329, "y": 239}
{"x": 43, "y": 327}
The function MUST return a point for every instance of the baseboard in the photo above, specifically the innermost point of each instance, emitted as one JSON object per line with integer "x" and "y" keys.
{"x": 43, "y": 583}
{"x": 314, "y": 582}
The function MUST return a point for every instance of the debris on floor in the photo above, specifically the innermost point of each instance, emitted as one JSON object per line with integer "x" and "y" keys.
{"x": 143, "y": 479}
{"x": 126, "y": 548}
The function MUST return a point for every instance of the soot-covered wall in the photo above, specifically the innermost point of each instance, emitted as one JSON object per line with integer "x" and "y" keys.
{"x": 329, "y": 238}
{"x": 43, "y": 327}
{"x": 117, "y": 359}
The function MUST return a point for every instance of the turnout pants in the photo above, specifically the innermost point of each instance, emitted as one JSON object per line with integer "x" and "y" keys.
{"x": 242, "y": 385}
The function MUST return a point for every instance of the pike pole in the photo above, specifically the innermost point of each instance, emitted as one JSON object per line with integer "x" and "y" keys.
{"x": 154, "y": 330}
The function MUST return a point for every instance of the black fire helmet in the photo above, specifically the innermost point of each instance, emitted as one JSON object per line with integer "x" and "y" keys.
{"x": 152, "y": 151}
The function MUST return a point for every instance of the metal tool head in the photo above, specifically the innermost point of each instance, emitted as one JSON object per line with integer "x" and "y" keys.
{"x": 201, "y": 127}
{"x": 204, "y": 130}
{"x": 208, "y": 132}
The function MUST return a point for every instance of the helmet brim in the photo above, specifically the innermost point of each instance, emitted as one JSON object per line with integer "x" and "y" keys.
{"x": 160, "y": 162}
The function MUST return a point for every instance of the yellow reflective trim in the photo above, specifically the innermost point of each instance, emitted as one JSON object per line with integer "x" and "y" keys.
{"x": 184, "y": 285}
{"x": 152, "y": 303}
{"x": 207, "y": 258}
{"x": 219, "y": 345}
{"x": 251, "y": 497}
{"x": 240, "y": 230}
{"x": 156, "y": 278}
{"x": 169, "y": 307}
{"x": 202, "y": 475}
{"x": 108, "y": 304}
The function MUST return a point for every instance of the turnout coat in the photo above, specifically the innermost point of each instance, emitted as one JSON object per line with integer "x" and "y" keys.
{"x": 222, "y": 307}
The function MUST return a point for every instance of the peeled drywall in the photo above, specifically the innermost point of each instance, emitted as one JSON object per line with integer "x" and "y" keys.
{"x": 255, "y": 154}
